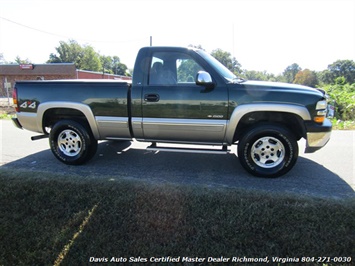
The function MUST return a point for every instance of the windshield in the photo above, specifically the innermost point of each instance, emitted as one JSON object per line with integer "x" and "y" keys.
{"x": 221, "y": 69}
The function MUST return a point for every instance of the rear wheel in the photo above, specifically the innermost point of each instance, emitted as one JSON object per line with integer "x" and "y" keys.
{"x": 268, "y": 151}
{"x": 72, "y": 143}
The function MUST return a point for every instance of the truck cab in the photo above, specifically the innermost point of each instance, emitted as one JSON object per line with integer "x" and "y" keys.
{"x": 169, "y": 104}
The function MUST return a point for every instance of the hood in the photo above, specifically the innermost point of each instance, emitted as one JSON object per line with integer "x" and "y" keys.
{"x": 254, "y": 84}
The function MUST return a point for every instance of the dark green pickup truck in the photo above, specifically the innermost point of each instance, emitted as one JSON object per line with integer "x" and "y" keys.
{"x": 182, "y": 96}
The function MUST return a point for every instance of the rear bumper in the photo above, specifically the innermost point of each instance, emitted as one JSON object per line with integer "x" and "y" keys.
{"x": 16, "y": 123}
{"x": 27, "y": 120}
{"x": 318, "y": 135}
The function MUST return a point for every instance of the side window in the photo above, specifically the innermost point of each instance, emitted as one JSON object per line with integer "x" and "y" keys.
{"x": 171, "y": 68}
{"x": 187, "y": 70}
{"x": 156, "y": 72}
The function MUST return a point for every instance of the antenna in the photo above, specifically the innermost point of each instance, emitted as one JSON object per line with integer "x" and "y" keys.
{"x": 233, "y": 48}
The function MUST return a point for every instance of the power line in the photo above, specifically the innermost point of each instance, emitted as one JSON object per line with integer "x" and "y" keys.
{"x": 67, "y": 37}
{"x": 28, "y": 27}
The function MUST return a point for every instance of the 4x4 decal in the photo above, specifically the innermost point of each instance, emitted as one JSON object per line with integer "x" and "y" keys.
{"x": 28, "y": 104}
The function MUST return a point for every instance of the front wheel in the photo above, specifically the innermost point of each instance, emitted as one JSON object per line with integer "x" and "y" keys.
{"x": 268, "y": 151}
{"x": 72, "y": 143}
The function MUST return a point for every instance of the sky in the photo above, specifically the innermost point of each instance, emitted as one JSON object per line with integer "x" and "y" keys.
{"x": 263, "y": 35}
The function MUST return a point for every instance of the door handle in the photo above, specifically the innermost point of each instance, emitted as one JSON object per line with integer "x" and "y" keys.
{"x": 151, "y": 97}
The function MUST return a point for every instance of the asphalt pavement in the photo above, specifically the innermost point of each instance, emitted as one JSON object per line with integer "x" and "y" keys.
{"x": 328, "y": 173}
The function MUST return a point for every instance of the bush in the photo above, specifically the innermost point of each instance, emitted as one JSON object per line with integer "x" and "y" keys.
{"x": 344, "y": 95}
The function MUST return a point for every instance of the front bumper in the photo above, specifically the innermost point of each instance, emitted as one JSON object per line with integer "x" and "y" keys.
{"x": 318, "y": 135}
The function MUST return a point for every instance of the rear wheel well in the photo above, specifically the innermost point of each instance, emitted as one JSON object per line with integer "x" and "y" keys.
{"x": 52, "y": 116}
{"x": 292, "y": 122}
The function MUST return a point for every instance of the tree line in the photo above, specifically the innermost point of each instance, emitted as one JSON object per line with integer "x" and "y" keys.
{"x": 338, "y": 80}
{"x": 83, "y": 56}
{"x": 86, "y": 58}
{"x": 340, "y": 71}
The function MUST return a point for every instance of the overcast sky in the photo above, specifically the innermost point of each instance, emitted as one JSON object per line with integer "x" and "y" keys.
{"x": 262, "y": 34}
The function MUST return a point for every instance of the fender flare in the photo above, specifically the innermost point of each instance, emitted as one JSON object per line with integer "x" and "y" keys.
{"x": 244, "y": 109}
{"x": 83, "y": 108}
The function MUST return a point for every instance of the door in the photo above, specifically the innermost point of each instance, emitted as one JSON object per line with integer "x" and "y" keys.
{"x": 176, "y": 109}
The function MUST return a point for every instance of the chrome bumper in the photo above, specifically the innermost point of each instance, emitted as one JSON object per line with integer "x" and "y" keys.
{"x": 318, "y": 138}
{"x": 316, "y": 141}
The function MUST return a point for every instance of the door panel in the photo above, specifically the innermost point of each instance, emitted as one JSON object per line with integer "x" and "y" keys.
{"x": 174, "y": 108}
{"x": 185, "y": 113}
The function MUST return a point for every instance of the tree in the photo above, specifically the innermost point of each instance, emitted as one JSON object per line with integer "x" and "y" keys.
{"x": 119, "y": 68}
{"x": 70, "y": 52}
{"x": 290, "y": 72}
{"x": 306, "y": 77}
{"x": 187, "y": 70}
{"x": 259, "y": 75}
{"x": 106, "y": 62}
{"x": 2, "y": 59}
{"x": 86, "y": 58}
{"x": 226, "y": 59}
{"x": 20, "y": 61}
{"x": 90, "y": 60}
{"x": 340, "y": 68}
{"x": 113, "y": 65}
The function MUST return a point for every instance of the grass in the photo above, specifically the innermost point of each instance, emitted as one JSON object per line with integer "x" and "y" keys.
{"x": 50, "y": 219}
{"x": 343, "y": 125}
{"x": 5, "y": 116}
{"x": 6, "y": 112}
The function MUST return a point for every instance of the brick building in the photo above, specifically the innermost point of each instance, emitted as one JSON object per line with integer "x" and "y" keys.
{"x": 83, "y": 74}
{"x": 9, "y": 74}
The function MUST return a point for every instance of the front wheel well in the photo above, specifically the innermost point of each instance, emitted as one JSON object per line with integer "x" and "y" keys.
{"x": 292, "y": 122}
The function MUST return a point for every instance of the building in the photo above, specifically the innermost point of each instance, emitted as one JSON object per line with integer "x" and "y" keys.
{"x": 9, "y": 74}
{"x": 84, "y": 74}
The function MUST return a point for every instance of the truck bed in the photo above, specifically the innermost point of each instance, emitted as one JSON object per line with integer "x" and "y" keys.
{"x": 105, "y": 97}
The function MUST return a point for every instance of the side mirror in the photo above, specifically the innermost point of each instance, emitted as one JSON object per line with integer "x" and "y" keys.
{"x": 204, "y": 78}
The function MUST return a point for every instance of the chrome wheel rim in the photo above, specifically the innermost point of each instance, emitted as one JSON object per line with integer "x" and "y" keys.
{"x": 267, "y": 152}
{"x": 69, "y": 142}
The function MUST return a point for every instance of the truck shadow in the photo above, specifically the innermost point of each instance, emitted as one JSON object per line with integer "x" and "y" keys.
{"x": 117, "y": 160}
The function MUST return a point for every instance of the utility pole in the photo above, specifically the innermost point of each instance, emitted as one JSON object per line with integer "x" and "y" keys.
{"x": 7, "y": 86}
{"x": 151, "y": 40}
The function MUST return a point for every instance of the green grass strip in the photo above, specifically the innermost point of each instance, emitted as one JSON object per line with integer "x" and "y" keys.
{"x": 48, "y": 219}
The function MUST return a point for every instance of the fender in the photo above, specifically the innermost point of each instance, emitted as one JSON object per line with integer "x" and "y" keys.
{"x": 244, "y": 109}
{"x": 85, "y": 109}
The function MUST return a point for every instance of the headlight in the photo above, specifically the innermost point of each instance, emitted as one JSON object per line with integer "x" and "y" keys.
{"x": 321, "y": 108}
{"x": 321, "y": 105}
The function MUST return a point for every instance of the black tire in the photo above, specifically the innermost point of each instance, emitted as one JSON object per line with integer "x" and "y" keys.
{"x": 72, "y": 143}
{"x": 268, "y": 151}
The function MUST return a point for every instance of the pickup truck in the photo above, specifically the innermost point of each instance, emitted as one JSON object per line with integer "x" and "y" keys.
{"x": 181, "y": 96}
